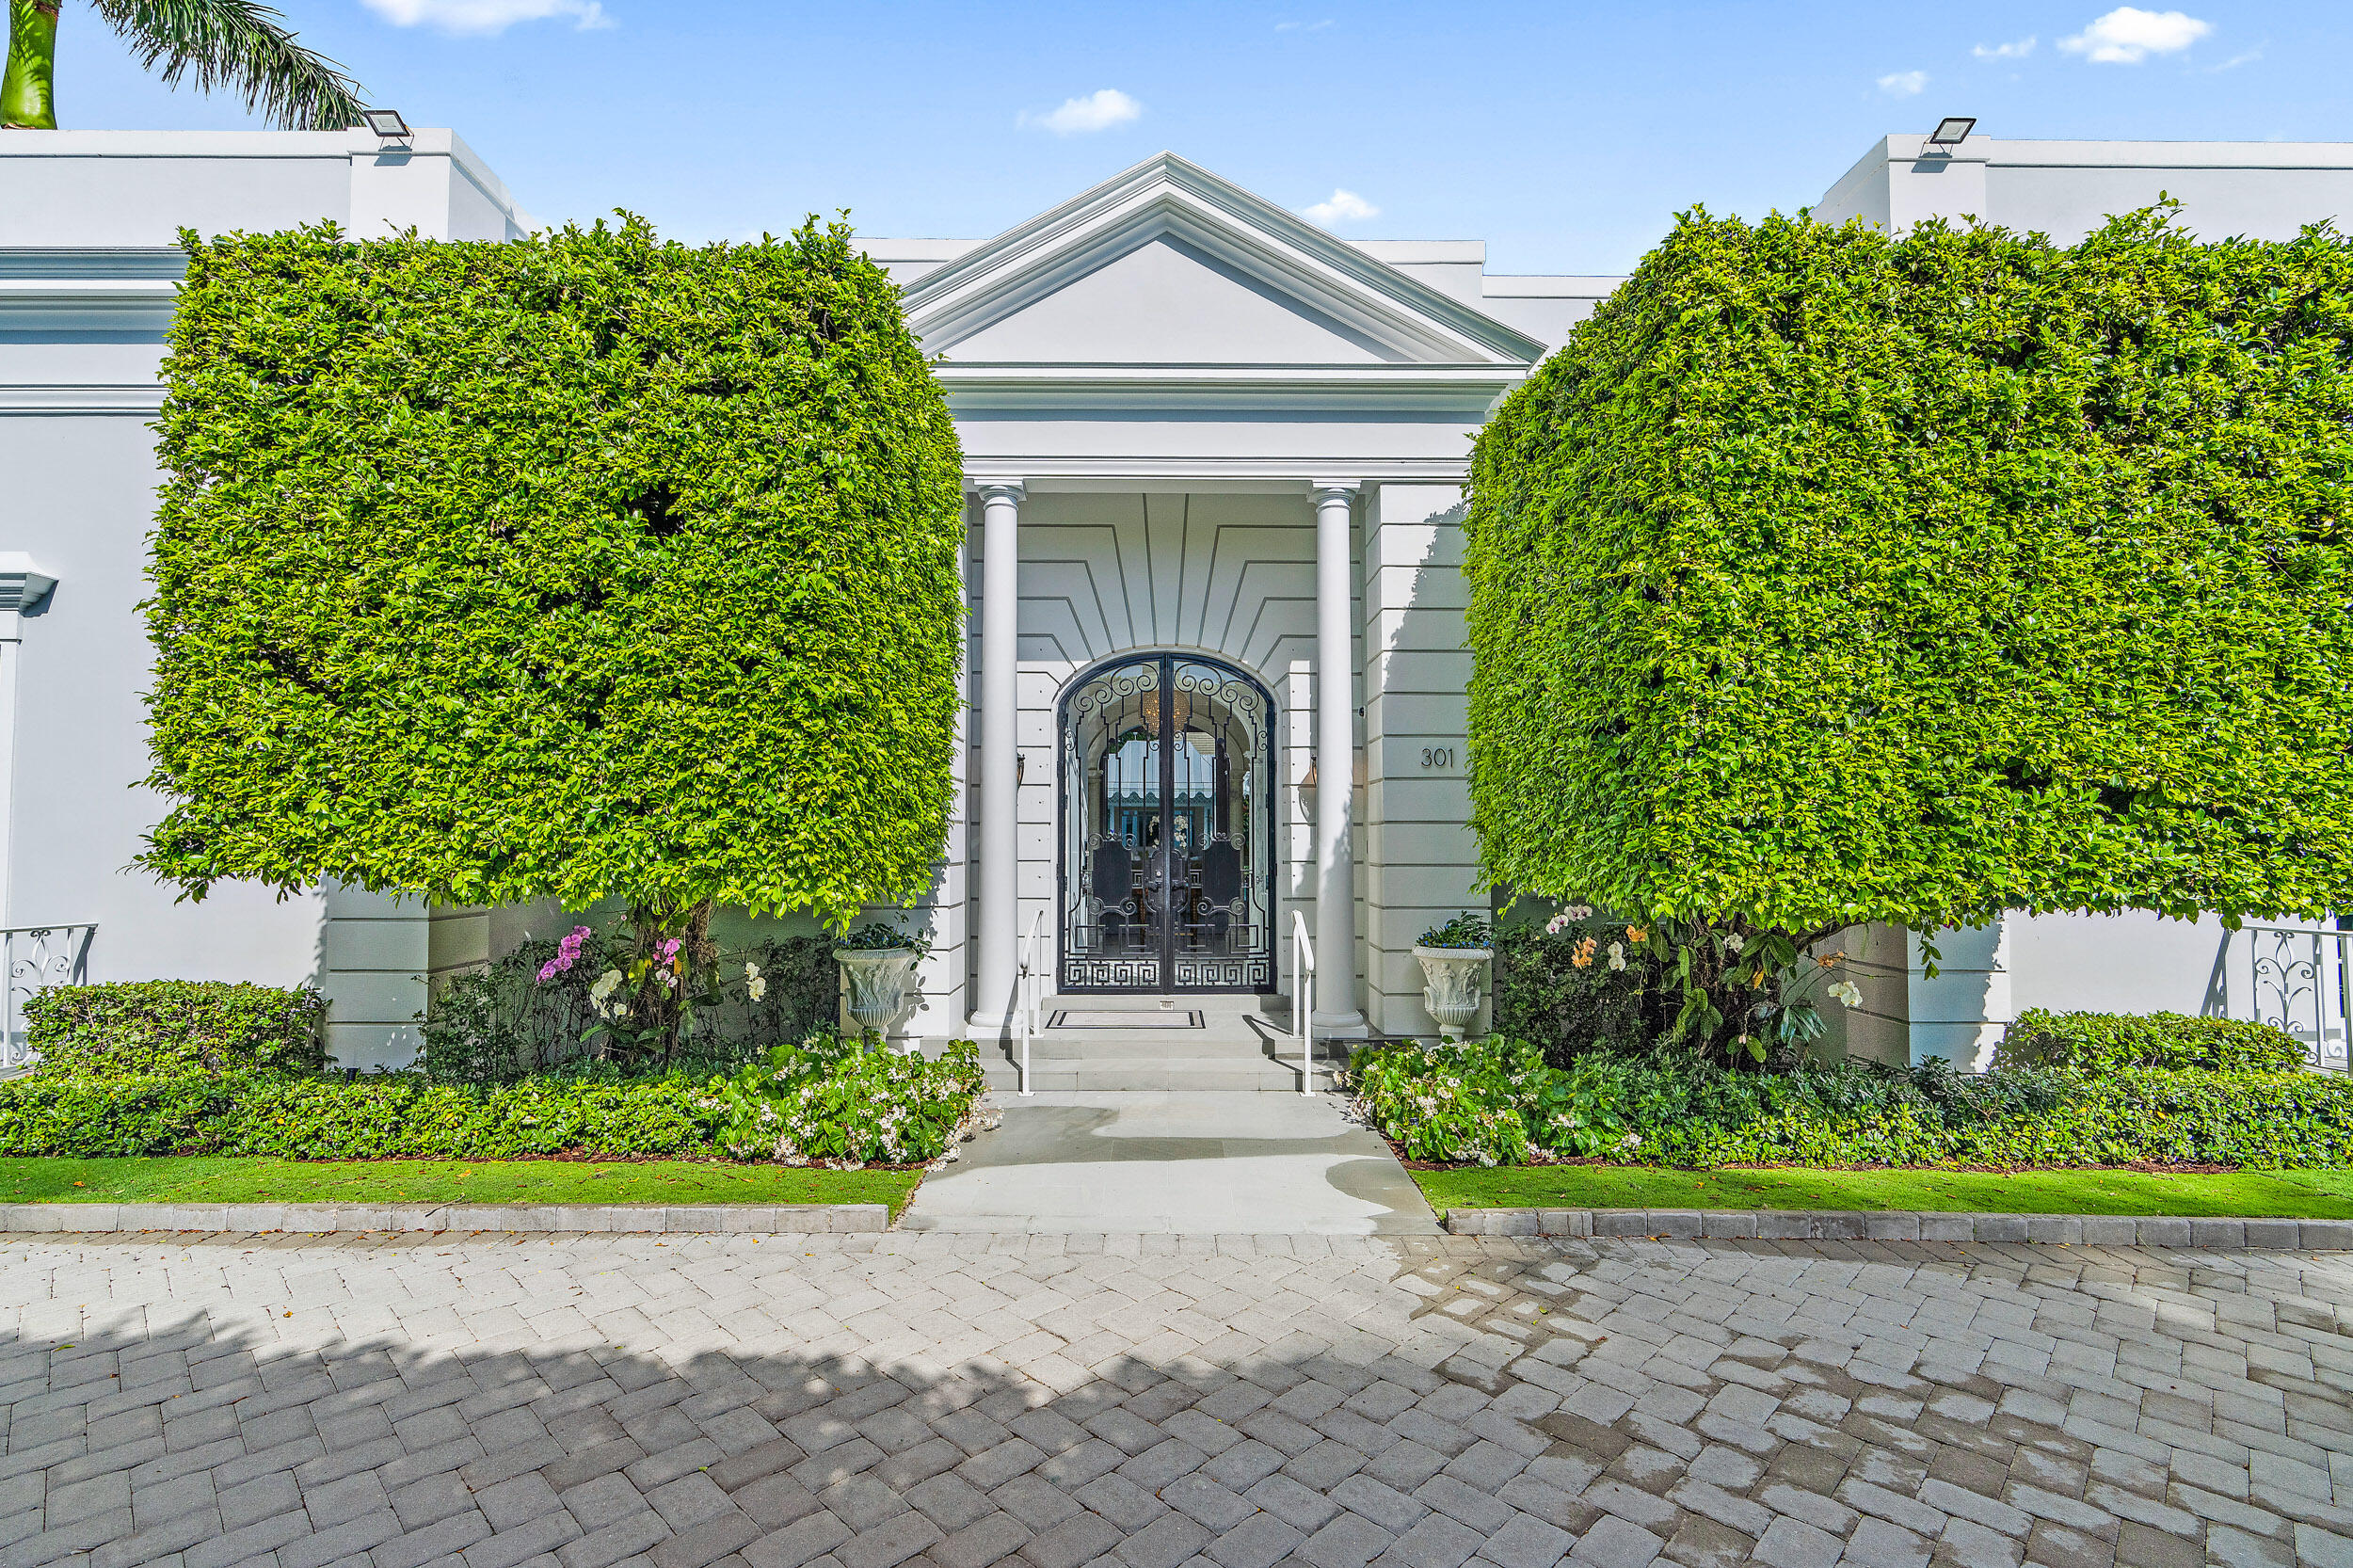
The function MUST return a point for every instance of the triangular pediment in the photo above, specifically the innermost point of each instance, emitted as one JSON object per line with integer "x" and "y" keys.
{"x": 1168, "y": 265}
{"x": 1165, "y": 301}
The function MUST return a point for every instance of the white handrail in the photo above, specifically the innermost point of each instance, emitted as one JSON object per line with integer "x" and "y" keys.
{"x": 1304, "y": 999}
{"x": 1025, "y": 993}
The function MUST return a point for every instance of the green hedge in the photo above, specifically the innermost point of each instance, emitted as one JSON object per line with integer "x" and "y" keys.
{"x": 163, "y": 1027}
{"x": 1496, "y": 1103}
{"x": 901, "y": 1110}
{"x": 1822, "y": 576}
{"x": 580, "y": 566}
{"x": 2097, "y": 1044}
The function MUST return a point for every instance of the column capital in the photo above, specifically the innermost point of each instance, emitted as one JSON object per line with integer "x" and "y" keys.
{"x": 1338, "y": 490}
{"x": 999, "y": 489}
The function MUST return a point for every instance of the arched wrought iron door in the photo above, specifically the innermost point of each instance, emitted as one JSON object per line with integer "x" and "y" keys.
{"x": 1167, "y": 856}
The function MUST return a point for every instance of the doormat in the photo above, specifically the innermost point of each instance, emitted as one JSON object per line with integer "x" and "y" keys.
{"x": 1067, "y": 1017}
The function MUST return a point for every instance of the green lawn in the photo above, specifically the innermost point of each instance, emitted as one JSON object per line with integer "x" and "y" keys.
{"x": 2325, "y": 1195}
{"x": 196, "y": 1178}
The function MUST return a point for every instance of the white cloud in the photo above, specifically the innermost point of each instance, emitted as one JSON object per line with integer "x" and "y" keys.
{"x": 2249, "y": 58}
{"x": 1303, "y": 26}
{"x": 2017, "y": 51}
{"x": 1096, "y": 111}
{"x": 1903, "y": 84}
{"x": 1342, "y": 206}
{"x": 2128, "y": 35}
{"x": 487, "y": 16}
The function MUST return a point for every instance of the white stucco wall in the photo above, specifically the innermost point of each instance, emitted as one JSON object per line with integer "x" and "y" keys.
{"x": 2263, "y": 190}
{"x": 1420, "y": 856}
{"x": 88, "y": 222}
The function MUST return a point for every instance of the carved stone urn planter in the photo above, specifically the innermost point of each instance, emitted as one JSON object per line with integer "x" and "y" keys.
{"x": 882, "y": 989}
{"x": 1456, "y": 988}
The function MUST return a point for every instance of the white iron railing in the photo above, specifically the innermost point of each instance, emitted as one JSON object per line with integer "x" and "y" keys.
{"x": 2302, "y": 982}
{"x": 33, "y": 958}
{"x": 1303, "y": 1001}
{"x": 1027, "y": 993}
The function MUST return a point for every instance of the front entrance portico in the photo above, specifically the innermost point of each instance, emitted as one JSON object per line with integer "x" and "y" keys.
{"x": 1202, "y": 433}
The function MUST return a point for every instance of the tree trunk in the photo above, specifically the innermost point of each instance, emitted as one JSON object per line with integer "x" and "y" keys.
{"x": 26, "y": 101}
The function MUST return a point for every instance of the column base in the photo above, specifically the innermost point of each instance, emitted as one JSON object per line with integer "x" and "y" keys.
{"x": 1340, "y": 1026}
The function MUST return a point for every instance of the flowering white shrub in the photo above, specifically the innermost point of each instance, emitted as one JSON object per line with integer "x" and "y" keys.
{"x": 840, "y": 1102}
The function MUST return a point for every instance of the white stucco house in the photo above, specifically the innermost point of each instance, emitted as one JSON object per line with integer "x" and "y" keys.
{"x": 1214, "y": 467}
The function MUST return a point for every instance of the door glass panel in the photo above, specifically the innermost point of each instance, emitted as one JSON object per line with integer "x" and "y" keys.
{"x": 1111, "y": 768}
{"x": 1221, "y": 824}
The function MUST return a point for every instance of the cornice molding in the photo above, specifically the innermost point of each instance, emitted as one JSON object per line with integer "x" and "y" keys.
{"x": 21, "y": 586}
{"x": 1294, "y": 475}
{"x": 145, "y": 399}
{"x": 54, "y": 263}
{"x": 112, "y": 304}
{"x": 1470, "y": 389}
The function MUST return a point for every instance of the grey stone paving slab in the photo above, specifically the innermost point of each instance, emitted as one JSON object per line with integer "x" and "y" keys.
{"x": 964, "y": 1399}
{"x": 2065, "y": 1230}
{"x": 1193, "y": 1162}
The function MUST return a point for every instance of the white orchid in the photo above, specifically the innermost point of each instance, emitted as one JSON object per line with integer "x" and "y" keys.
{"x": 1616, "y": 955}
{"x": 1733, "y": 943}
{"x": 1580, "y": 911}
{"x": 1845, "y": 991}
{"x": 600, "y": 995}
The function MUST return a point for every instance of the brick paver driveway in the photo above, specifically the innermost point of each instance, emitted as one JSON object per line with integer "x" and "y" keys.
{"x": 861, "y": 1402}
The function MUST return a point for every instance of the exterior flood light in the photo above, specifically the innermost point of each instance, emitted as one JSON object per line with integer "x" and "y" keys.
{"x": 1952, "y": 129}
{"x": 386, "y": 123}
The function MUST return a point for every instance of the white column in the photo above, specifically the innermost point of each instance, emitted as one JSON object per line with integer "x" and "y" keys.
{"x": 1336, "y": 764}
{"x": 1001, "y": 757}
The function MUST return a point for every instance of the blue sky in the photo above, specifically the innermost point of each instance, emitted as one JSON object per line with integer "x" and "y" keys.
{"x": 1564, "y": 134}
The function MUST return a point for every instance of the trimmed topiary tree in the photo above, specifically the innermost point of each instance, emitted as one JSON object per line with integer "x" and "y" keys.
{"x": 1824, "y": 578}
{"x": 583, "y": 566}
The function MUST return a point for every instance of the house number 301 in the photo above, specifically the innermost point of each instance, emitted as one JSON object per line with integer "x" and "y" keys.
{"x": 1437, "y": 757}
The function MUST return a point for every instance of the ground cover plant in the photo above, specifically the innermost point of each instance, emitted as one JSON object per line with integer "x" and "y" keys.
{"x": 462, "y": 546}
{"x": 811, "y": 1098}
{"x": 1497, "y": 1102}
{"x": 201, "y": 1178}
{"x": 1825, "y": 577}
{"x": 2307, "y": 1194}
{"x": 903, "y": 1109}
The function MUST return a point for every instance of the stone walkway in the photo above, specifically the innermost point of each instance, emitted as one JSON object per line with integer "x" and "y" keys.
{"x": 955, "y": 1401}
{"x": 1190, "y": 1162}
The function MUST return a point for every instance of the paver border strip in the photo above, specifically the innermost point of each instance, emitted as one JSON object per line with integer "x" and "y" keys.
{"x": 794, "y": 1219}
{"x": 1830, "y": 1225}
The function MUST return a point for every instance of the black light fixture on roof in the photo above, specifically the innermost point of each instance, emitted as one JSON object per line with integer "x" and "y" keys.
{"x": 386, "y": 123}
{"x": 1952, "y": 129}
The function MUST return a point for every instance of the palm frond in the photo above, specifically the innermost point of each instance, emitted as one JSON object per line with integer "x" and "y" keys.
{"x": 243, "y": 47}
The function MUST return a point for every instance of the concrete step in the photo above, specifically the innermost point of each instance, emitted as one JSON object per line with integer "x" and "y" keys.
{"x": 1153, "y": 1061}
{"x": 1130, "y": 1044}
{"x": 1211, "y": 1005}
{"x": 1161, "y": 1074}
